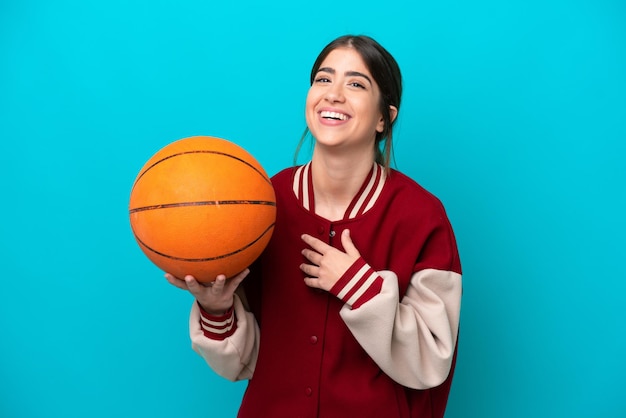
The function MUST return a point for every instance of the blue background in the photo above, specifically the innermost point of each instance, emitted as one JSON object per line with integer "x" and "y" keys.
{"x": 514, "y": 115}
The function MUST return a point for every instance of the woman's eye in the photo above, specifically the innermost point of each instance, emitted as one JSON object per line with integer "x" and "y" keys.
{"x": 322, "y": 80}
{"x": 357, "y": 85}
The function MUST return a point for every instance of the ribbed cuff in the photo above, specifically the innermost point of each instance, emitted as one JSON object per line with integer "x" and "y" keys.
{"x": 358, "y": 284}
{"x": 218, "y": 327}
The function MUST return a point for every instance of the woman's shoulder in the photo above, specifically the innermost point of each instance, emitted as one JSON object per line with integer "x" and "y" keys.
{"x": 283, "y": 178}
{"x": 283, "y": 182}
{"x": 410, "y": 190}
{"x": 284, "y": 174}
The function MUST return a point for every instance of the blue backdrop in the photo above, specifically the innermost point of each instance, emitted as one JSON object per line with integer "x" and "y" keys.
{"x": 514, "y": 114}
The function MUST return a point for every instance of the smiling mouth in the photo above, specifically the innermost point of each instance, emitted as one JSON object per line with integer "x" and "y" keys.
{"x": 333, "y": 115}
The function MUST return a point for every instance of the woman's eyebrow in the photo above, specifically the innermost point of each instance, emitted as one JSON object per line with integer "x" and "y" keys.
{"x": 347, "y": 73}
{"x": 358, "y": 74}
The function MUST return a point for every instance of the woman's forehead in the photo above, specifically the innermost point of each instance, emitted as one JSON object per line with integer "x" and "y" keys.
{"x": 345, "y": 59}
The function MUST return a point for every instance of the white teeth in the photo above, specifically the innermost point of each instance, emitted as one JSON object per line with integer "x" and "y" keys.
{"x": 333, "y": 115}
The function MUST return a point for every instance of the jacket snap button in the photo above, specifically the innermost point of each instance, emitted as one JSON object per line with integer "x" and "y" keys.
{"x": 313, "y": 339}
{"x": 308, "y": 391}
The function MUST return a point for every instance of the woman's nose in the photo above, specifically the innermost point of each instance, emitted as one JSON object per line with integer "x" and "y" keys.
{"x": 334, "y": 93}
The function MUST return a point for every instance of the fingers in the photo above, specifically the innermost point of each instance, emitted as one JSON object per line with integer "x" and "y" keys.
{"x": 218, "y": 284}
{"x": 314, "y": 283}
{"x": 192, "y": 285}
{"x": 315, "y": 256}
{"x": 215, "y": 297}
{"x": 318, "y": 245}
{"x": 347, "y": 243}
{"x": 200, "y": 290}
{"x": 176, "y": 281}
{"x": 235, "y": 281}
{"x": 326, "y": 264}
{"x": 310, "y": 270}
{"x": 321, "y": 247}
{"x": 312, "y": 256}
{"x": 221, "y": 283}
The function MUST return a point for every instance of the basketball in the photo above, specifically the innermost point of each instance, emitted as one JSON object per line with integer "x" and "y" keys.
{"x": 202, "y": 206}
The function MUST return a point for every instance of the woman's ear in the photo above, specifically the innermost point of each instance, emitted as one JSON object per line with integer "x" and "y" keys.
{"x": 393, "y": 113}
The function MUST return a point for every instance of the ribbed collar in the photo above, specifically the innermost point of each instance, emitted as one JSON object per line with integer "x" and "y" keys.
{"x": 362, "y": 202}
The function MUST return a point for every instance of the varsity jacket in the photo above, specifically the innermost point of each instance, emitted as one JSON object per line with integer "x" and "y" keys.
{"x": 381, "y": 343}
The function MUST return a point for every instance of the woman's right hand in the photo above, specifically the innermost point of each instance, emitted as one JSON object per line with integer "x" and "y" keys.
{"x": 216, "y": 297}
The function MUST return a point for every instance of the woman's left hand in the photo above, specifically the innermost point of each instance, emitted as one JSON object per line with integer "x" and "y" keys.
{"x": 327, "y": 264}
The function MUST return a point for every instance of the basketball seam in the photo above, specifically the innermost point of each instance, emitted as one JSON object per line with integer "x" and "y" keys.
{"x": 203, "y": 203}
{"x": 198, "y": 260}
{"x": 201, "y": 152}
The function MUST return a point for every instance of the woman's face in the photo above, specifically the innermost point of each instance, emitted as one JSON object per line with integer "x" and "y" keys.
{"x": 342, "y": 106}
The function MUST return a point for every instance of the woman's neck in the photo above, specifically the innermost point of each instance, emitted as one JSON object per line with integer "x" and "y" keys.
{"x": 336, "y": 181}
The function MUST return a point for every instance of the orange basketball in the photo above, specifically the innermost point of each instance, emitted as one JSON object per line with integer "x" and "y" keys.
{"x": 202, "y": 206}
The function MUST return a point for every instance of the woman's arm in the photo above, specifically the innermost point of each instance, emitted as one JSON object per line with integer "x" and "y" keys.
{"x": 222, "y": 329}
{"x": 229, "y": 343}
{"x": 412, "y": 341}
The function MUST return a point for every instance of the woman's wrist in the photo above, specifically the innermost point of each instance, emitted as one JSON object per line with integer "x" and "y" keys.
{"x": 214, "y": 312}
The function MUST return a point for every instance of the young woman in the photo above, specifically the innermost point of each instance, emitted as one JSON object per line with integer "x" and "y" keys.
{"x": 353, "y": 308}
